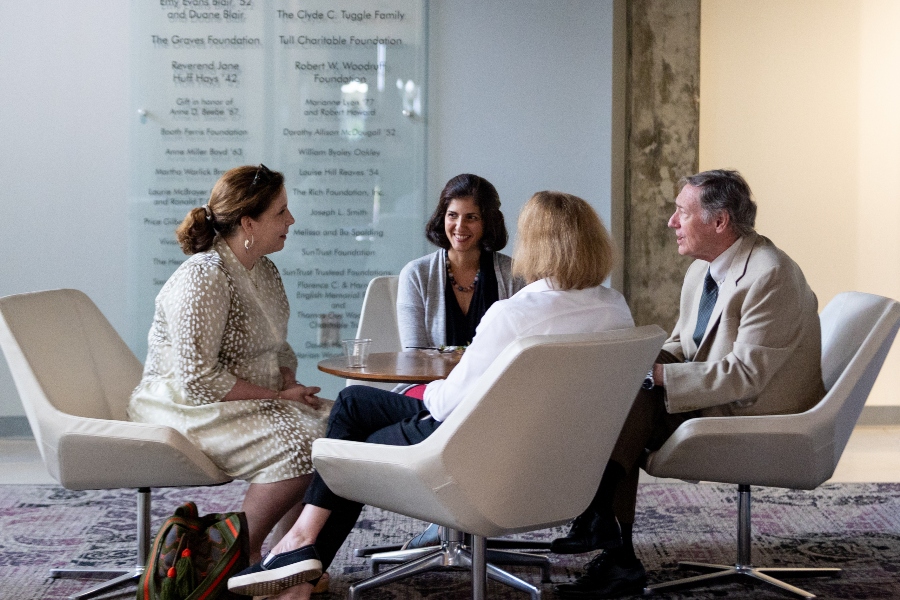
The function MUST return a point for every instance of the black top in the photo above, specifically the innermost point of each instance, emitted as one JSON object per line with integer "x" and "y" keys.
{"x": 461, "y": 327}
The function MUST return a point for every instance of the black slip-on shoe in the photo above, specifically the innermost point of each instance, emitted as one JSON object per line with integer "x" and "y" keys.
{"x": 589, "y": 532}
{"x": 278, "y": 572}
{"x": 430, "y": 537}
{"x": 607, "y": 577}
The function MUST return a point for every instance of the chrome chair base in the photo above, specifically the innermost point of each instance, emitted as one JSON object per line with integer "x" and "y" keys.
{"x": 742, "y": 568}
{"x": 496, "y": 552}
{"x": 499, "y": 557}
{"x": 492, "y": 543}
{"x": 716, "y": 573}
{"x": 452, "y": 554}
{"x": 122, "y": 574}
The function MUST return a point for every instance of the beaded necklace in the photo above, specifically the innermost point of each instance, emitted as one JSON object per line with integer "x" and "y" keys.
{"x": 468, "y": 288}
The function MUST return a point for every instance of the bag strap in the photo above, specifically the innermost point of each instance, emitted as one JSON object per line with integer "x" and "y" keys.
{"x": 233, "y": 527}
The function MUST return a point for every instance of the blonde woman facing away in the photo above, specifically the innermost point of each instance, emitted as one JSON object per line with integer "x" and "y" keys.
{"x": 564, "y": 254}
{"x": 219, "y": 368}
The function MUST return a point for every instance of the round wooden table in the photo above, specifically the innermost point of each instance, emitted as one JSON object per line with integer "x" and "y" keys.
{"x": 412, "y": 366}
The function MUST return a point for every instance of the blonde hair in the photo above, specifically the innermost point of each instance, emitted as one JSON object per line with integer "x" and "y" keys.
{"x": 562, "y": 238}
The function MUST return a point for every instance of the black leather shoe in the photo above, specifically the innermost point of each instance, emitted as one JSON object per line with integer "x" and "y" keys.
{"x": 430, "y": 537}
{"x": 589, "y": 532}
{"x": 607, "y": 576}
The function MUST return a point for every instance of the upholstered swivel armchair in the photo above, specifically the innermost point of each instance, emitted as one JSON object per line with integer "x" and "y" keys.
{"x": 523, "y": 451}
{"x": 797, "y": 451}
{"x": 75, "y": 375}
{"x": 378, "y": 322}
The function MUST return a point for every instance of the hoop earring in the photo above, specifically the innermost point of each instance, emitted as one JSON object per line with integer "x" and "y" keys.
{"x": 248, "y": 243}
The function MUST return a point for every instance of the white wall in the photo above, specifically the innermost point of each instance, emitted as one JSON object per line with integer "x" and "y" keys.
{"x": 803, "y": 97}
{"x": 519, "y": 93}
{"x": 64, "y": 154}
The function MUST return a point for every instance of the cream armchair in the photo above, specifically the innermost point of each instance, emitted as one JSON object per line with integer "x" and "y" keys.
{"x": 519, "y": 453}
{"x": 75, "y": 376}
{"x": 378, "y": 321}
{"x": 797, "y": 451}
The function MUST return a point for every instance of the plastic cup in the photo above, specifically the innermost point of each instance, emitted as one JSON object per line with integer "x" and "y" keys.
{"x": 357, "y": 352}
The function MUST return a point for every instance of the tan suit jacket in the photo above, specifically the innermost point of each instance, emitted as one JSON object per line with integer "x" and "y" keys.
{"x": 762, "y": 350}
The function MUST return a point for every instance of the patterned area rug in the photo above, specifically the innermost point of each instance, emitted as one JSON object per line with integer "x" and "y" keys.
{"x": 855, "y": 527}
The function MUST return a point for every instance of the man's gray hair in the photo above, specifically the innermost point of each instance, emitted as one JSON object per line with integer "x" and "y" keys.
{"x": 724, "y": 190}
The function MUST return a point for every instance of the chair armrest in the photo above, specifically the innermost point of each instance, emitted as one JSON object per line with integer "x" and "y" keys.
{"x": 104, "y": 454}
{"x": 773, "y": 450}
{"x": 395, "y": 478}
{"x": 409, "y": 480}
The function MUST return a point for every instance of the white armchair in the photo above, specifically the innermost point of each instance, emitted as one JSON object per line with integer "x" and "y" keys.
{"x": 75, "y": 376}
{"x": 798, "y": 451}
{"x": 378, "y": 321}
{"x": 521, "y": 452}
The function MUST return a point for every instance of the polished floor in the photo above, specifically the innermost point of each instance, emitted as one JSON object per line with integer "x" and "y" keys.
{"x": 872, "y": 455}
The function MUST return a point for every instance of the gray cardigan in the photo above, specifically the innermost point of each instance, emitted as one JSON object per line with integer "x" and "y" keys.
{"x": 420, "y": 297}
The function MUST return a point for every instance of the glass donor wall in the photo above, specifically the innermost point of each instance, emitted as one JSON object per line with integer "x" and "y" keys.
{"x": 329, "y": 93}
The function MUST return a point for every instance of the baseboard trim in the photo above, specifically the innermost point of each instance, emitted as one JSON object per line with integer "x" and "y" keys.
{"x": 880, "y": 415}
{"x": 15, "y": 427}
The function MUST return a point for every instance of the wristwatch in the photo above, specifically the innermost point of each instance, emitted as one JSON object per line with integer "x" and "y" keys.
{"x": 648, "y": 380}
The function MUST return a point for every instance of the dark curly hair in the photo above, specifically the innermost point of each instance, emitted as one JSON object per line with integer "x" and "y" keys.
{"x": 488, "y": 201}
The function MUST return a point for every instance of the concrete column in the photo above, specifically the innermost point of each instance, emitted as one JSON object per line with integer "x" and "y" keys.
{"x": 663, "y": 113}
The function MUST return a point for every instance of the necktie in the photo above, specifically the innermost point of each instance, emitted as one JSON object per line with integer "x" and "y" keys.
{"x": 707, "y": 302}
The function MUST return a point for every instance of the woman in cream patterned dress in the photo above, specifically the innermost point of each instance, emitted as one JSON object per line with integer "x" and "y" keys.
{"x": 219, "y": 368}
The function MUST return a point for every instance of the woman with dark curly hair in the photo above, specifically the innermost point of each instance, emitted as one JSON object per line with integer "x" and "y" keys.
{"x": 443, "y": 295}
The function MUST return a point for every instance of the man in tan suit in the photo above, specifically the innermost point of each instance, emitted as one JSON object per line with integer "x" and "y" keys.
{"x": 747, "y": 342}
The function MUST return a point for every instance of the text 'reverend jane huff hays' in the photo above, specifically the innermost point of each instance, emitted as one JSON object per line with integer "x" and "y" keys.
{"x": 339, "y": 150}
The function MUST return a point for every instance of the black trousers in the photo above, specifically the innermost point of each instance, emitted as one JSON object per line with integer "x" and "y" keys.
{"x": 646, "y": 428}
{"x": 364, "y": 414}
